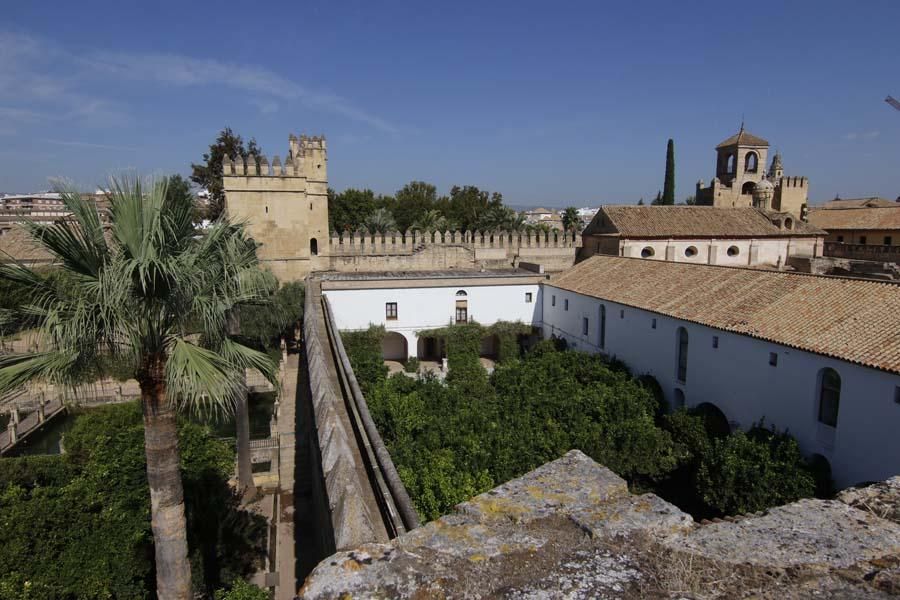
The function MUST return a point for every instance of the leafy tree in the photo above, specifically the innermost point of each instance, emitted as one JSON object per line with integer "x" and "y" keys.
{"x": 668, "y": 196}
{"x": 571, "y": 220}
{"x": 468, "y": 206}
{"x": 380, "y": 221}
{"x": 349, "y": 210}
{"x": 154, "y": 292}
{"x": 208, "y": 174}
{"x": 412, "y": 202}
{"x": 748, "y": 472}
{"x": 242, "y": 590}
{"x": 690, "y": 201}
{"x": 78, "y": 525}
{"x": 263, "y": 326}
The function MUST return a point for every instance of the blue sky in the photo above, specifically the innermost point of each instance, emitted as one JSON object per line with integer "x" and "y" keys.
{"x": 549, "y": 103}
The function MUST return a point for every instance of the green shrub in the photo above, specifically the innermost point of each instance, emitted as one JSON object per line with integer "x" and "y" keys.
{"x": 241, "y": 590}
{"x": 412, "y": 365}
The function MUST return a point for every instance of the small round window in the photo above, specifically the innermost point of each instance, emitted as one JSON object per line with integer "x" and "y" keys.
{"x": 788, "y": 223}
{"x": 647, "y": 252}
{"x": 690, "y": 251}
{"x": 733, "y": 250}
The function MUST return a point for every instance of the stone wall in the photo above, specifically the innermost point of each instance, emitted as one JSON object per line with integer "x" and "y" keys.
{"x": 572, "y": 529}
{"x": 847, "y": 267}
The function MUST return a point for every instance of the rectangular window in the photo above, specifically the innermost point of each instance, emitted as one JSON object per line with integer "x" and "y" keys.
{"x": 897, "y": 395}
{"x": 602, "y": 326}
{"x": 527, "y": 297}
{"x": 773, "y": 359}
{"x": 566, "y": 304}
{"x": 862, "y": 240}
{"x": 840, "y": 239}
{"x": 584, "y": 326}
{"x": 682, "y": 354}
{"x": 462, "y": 314}
{"x": 888, "y": 241}
{"x": 715, "y": 341}
{"x": 390, "y": 311}
{"x": 553, "y": 300}
{"x": 622, "y": 314}
{"x": 653, "y": 325}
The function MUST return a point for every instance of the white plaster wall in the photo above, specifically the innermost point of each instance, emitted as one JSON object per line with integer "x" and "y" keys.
{"x": 738, "y": 379}
{"x": 769, "y": 251}
{"x": 427, "y": 308}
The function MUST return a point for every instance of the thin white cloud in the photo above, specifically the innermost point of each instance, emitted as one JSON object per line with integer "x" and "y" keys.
{"x": 38, "y": 70}
{"x": 863, "y": 135}
{"x": 79, "y": 144}
{"x": 179, "y": 70}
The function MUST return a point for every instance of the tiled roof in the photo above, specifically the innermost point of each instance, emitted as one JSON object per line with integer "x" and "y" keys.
{"x": 856, "y": 218}
{"x": 850, "y": 319}
{"x": 743, "y": 138}
{"x": 693, "y": 222}
{"x": 872, "y": 202}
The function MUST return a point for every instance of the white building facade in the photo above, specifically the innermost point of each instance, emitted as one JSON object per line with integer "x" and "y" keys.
{"x": 851, "y": 419}
{"x": 409, "y": 303}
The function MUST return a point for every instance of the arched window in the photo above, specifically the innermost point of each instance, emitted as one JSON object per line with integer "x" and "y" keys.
{"x": 602, "y": 326}
{"x": 682, "y": 354}
{"x": 729, "y": 164}
{"x": 313, "y": 246}
{"x": 679, "y": 399}
{"x": 788, "y": 223}
{"x": 647, "y": 252}
{"x": 747, "y": 188}
{"x": 461, "y": 293}
{"x": 829, "y": 396}
{"x": 751, "y": 162}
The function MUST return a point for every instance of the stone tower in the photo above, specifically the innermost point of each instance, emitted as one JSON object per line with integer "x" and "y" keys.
{"x": 285, "y": 206}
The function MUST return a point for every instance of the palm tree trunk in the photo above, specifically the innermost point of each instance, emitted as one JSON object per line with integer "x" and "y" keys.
{"x": 242, "y": 426}
{"x": 173, "y": 571}
{"x": 241, "y": 419}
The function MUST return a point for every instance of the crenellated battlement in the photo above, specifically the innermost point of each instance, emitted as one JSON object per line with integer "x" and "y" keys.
{"x": 364, "y": 242}
{"x": 794, "y": 182}
{"x": 251, "y": 168}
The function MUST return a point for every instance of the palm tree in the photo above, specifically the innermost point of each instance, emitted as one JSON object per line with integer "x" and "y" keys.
{"x": 380, "y": 221}
{"x": 155, "y": 291}
{"x": 571, "y": 219}
{"x": 431, "y": 220}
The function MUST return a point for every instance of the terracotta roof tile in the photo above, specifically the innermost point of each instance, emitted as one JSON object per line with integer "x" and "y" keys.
{"x": 743, "y": 138}
{"x": 850, "y": 319}
{"x": 693, "y": 221}
{"x": 872, "y": 202}
{"x": 856, "y": 218}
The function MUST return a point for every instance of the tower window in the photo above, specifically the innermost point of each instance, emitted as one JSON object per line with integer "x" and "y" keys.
{"x": 313, "y": 246}
{"x": 751, "y": 163}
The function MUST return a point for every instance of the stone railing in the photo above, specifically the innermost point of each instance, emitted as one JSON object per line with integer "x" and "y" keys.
{"x": 863, "y": 251}
{"x": 362, "y": 242}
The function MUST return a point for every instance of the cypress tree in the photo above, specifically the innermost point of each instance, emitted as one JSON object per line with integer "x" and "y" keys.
{"x": 669, "y": 185}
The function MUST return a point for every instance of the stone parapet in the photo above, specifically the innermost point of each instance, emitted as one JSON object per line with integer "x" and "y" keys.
{"x": 571, "y": 529}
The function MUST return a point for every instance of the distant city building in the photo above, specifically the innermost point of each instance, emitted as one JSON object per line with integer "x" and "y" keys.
{"x": 700, "y": 234}
{"x": 870, "y": 202}
{"x": 742, "y": 181}
{"x": 546, "y": 216}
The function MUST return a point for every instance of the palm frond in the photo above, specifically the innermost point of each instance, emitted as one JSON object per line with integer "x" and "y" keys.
{"x": 245, "y": 357}
{"x": 18, "y": 369}
{"x": 200, "y": 379}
